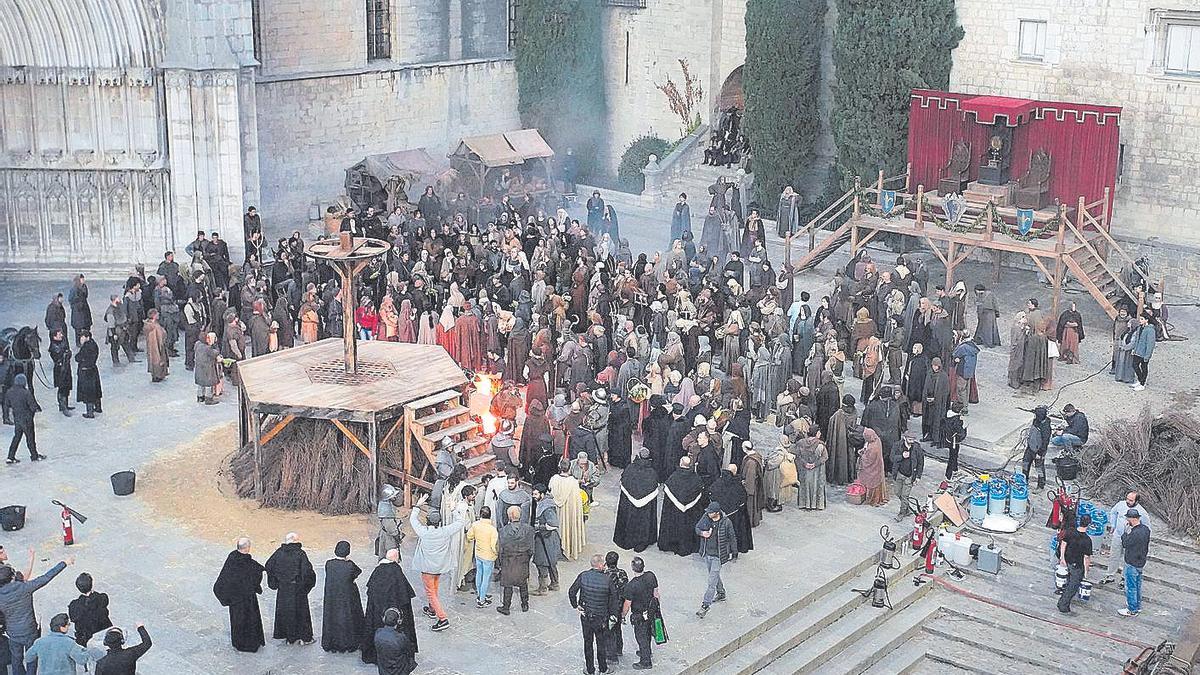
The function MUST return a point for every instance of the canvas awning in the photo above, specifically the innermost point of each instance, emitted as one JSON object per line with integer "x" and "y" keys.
{"x": 403, "y": 164}
{"x": 507, "y": 149}
{"x": 1016, "y": 111}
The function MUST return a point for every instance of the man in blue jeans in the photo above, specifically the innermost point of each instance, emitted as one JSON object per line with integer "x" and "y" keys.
{"x": 1136, "y": 543}
{"x": 718, "y": 545}
{"x": 1076, "y": 432}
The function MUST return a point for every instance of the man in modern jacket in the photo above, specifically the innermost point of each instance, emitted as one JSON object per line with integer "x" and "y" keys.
{"x": 718, "y": 545}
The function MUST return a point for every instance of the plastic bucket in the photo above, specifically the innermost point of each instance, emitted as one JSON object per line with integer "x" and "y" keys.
{"x": 1085, "y": 590}
{"x": 1060, "y": 576}
{"x": 1067, "y": 468}
{"x": 123, "y": 483}
{"x": 997, "y": 497}
{"x": 12, "y": 518}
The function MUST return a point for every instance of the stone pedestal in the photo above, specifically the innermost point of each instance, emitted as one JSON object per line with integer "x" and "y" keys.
{"x": 982, "y": 193}
{"x": 996, "y": 175}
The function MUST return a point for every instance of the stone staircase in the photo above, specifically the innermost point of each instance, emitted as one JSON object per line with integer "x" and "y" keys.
{"x": 982, "y": 623}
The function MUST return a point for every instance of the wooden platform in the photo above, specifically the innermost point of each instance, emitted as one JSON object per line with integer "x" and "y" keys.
{"x": 308, "y": 381}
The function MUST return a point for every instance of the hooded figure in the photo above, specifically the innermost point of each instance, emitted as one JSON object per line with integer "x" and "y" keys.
{"x": 681, "y": 509}
{"x": 811, "y": 456}
{"x": 637, "y": 511}
{"x": 343, "y": 627}
{"x": 568, "y": 501}
{"x": 655, "y": 430}
{"x": 936, "y": 399}
{"x": 291, "y": 574}
{"x": 987, "y": 312}
{"x": 870, "y": 469}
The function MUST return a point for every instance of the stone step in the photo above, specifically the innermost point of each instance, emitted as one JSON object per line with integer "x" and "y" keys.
{"x": 948, "y": 656}
{"x": 820, "y": 648}
{"x": 896, "y": 629}
{"x": 1060, "y": 655}
{"x": 904, "y": 658}
{"x": 813, "y": 606}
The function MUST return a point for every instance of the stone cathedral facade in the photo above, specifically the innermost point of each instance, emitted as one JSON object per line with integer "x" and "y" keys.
{"x": 128, "y": 125}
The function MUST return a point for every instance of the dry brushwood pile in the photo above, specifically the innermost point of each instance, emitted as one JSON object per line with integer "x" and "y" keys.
{"x": 1157, "y": 456}
{"x": 309, "y": 465}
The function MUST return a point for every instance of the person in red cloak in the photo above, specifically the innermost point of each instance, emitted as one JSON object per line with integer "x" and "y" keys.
{"x": 470, "y": 339}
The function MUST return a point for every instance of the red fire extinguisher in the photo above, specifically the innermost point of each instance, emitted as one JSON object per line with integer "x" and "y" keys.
{"x": 68, "y": 514}
{"x": 68, "y": 533}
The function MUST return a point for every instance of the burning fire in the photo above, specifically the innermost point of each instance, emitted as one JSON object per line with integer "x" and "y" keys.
{"x": 489, "y": 423}
{"x": 486, "y": 384}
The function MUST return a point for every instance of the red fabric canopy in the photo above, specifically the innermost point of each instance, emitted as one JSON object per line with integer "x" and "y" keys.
{"x": 1083, "y": 140}
{"x": 1018, "y": 111}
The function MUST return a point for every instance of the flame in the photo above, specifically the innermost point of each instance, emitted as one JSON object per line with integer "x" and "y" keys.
{"x": 486, "y": 384}
{"x": 489, "y": 423}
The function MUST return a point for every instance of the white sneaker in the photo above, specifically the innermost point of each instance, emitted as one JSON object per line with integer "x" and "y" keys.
{"x": 1138, "y": 387}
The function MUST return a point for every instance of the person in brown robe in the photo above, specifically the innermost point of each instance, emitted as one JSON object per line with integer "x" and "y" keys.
{"x": 469, "y": 335}
{"x": 517, "y": 352}
{"x": 406, "y": 327}
{"x": 310, "y": 319}
{"x": 538, "y": 374}
{"x": 1035, "y": 369}
{"x": 811, "y": 456}
{"x": 752, "y": 474}
{"x": 870, "y": 469}
{"x": 158, "y": 361}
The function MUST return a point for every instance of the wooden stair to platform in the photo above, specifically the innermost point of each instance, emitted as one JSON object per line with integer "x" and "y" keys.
{"x": 429, "y": 420}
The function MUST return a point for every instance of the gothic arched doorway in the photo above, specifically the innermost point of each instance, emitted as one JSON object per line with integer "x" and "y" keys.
{"x": 731, "y": 92}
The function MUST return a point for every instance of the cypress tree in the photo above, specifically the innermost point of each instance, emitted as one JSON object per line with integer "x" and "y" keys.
{"x": 779, "y": 80}
{"x": 882, "y": 50}
{"x": 560, "y": 74}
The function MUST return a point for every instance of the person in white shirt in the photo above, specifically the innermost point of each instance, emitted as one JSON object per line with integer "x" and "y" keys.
{"x": 1117, "y": 527}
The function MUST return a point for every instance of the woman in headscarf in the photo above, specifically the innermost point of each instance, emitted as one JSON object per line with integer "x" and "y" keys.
{"x": 406, "y": 329}
{"x": 427, "y": 332}
{"x": 687, "y": 390}
{"x": 389, "y": 319}
{"x": 870, "y": 469}
{"x": 445, "y": 332}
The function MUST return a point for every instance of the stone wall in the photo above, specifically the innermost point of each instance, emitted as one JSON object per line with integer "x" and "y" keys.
{"x": 643, "y": 47}
{"x": 1104, "y": 53}
{"x": 293, "y": 39}
{"x": 312, "y": 129}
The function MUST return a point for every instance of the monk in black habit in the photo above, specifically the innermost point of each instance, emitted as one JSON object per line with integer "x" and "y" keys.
{"x": 654, "y": 435}
{"x": 637, "y": 512}
{"x": 342, "y": 622}
{"x": 291, "y": 574}
{"x": 729, "y": 491}
{"x": 620, "y": 431}
{"x": 237, "y": 587}
{"x": 388, "y": 587}
{"x": 682, "y": 508}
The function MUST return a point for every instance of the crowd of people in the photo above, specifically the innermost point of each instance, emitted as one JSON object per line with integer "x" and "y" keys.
{"x": 596, "y": 348}
{"x": 82, "y": 637}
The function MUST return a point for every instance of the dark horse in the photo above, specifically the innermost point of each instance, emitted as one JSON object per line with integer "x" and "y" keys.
{"x": 22, "y": 346}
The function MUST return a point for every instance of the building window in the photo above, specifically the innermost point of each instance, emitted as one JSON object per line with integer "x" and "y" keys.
{"x": 1182, "y": 56}
{"x": 632, "y": 4}
{"x": 513, "y": 6}
{"x": 1033, "y": 40}
{"x": 379, "y": 30}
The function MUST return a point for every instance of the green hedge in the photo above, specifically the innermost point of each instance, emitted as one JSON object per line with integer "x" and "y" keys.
{"x": 780, "y": 82}
{"x": 883, "y": 49}
{"x": 633, "y": 160}
{"x": 560, "y": 74}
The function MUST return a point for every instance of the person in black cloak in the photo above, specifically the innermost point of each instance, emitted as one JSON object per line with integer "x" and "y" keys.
{"x": 546, "y": 466}
{"x": 828, "y": 399}
{"x": 342, "y": 621}
{"x": 915, "y": 372}
{"x": 729, "y": 491}
{"x": 394, "y": 649}
{"x": 388, "y": 588}
{"x": 291, "y": 574}
{"x": 655, "y": 429}
{"x": 681, "y": 425}
{"x": 681, "y": 510}
{"x": 637, "y": 518}
{"x": 936, "y": 402}
{"x": 237, "y": 587}
{"x": 620, "y": 431}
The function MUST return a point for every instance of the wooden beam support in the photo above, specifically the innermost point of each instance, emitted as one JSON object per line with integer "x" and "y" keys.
{"x": 388, "y": 436}
{"x": 1041, "y": 266}
{"x": 920, "y": 206}
{"x": 950, "y": 261}
{"x": 353, "y": 439}
{"x": 937, "y": 251}
{"x": 373, "y": 438}
{"x": 256, "y": 428}
{"x": 962, "y": 257}
{"x": 862, "y": 243}
{"x": 279, "y": 426}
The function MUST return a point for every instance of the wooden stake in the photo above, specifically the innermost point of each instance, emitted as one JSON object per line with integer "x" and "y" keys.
{"x": 879, "y": 190}
{"x": 256, "y": 425}
{"x": 950, "y": 264}
{"x": 373, "y": 439}
{"x": 987, "y": 235}
{"x": 908, "y": 177}
{"x": 857, "y": 191}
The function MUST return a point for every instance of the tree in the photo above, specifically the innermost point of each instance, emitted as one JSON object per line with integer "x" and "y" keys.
{"x": 779, "y": 81}
{"x": 560, "y": 74}
{"x": 883, "y": 49}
